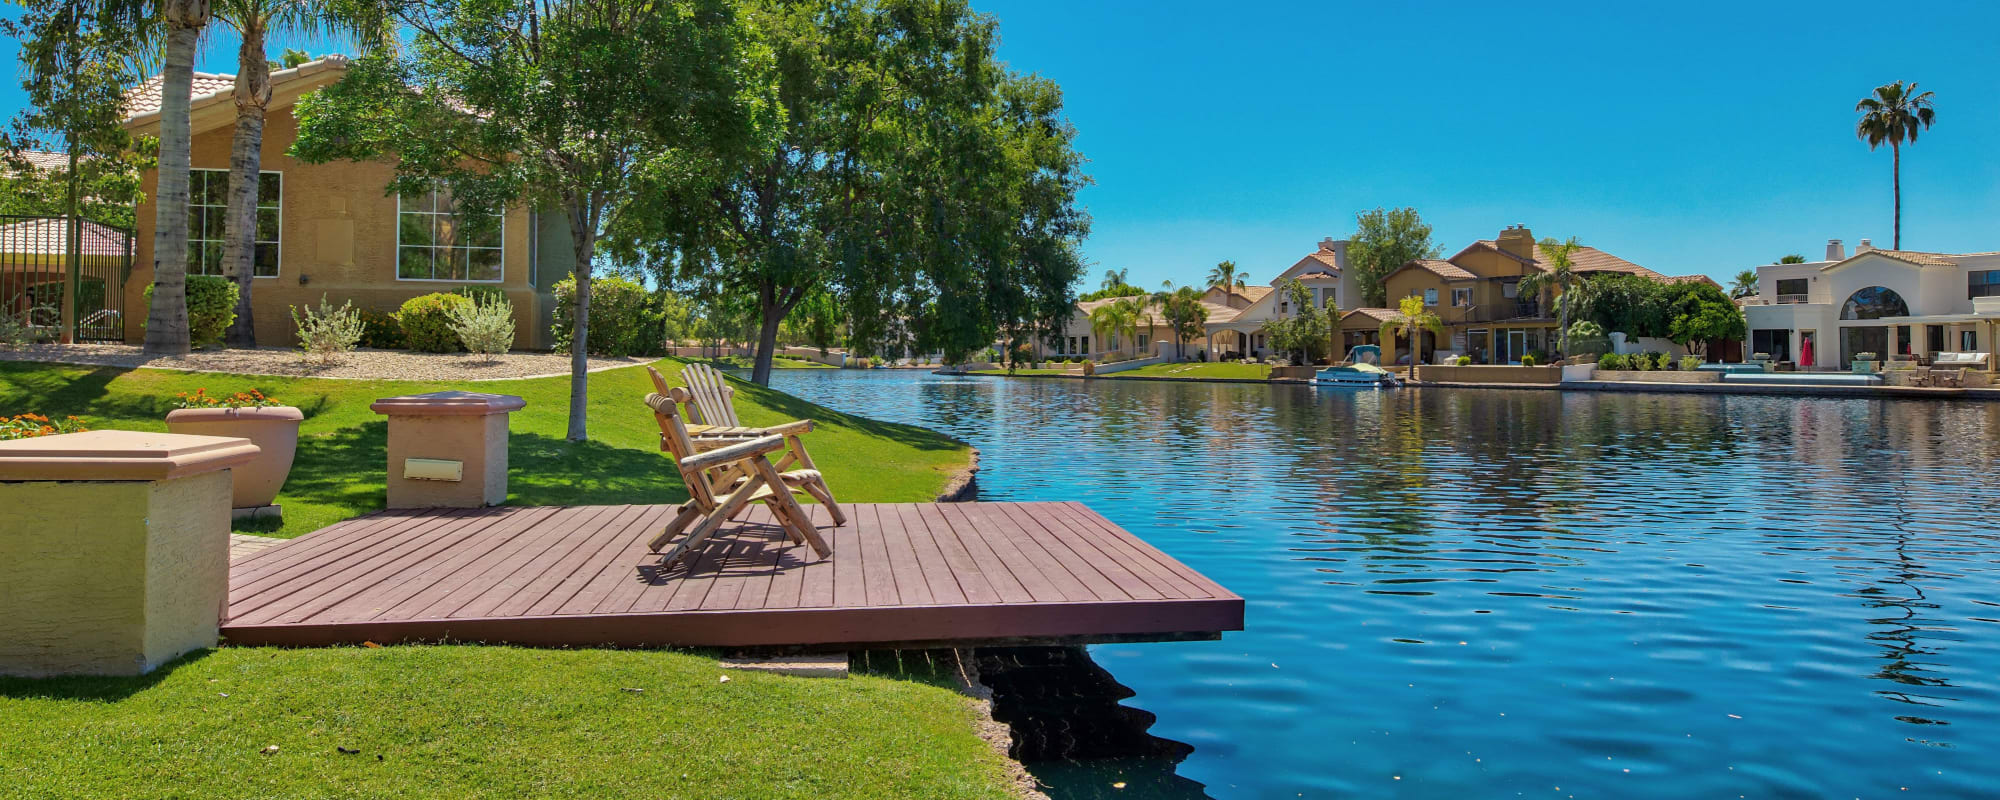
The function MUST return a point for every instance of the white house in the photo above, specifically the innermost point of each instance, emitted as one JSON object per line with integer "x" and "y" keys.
{"x": 1819, "y": 314}
{"x": 1324, "y": 272}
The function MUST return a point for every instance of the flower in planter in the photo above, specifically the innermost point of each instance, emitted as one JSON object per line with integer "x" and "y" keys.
{"x": 29, "y": 426}
{"x": 202, "y": 399}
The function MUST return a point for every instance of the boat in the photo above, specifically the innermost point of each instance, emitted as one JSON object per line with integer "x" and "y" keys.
{"x": 1360, "y": 371}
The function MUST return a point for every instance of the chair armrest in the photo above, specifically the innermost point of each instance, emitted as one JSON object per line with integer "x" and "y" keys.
{"x": 740, "y": 451}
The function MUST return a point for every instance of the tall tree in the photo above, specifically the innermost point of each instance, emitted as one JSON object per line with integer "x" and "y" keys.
{"x": 1226, "y": 277}
{"x": 1383, "y": 240}
{"x": 1184, "y": 313}
{"x": 167, "y": 317}
{"x": 1307, "y": 332}
{"x": 76, "y": 66}
{"x": 576, "y": 105}
{"x": 1744, "y": 284}
{"x": 1110, "y": 319}
{"x": 1560, "y": 277}
{"x": 916, "y": 179}
{"x": 1895, "y": 114}
{"x": 1114, "y": 278}
{"x": 254, "y": 21}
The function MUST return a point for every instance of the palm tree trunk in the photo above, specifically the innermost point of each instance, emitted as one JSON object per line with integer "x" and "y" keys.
{"x": 1896, "y": 151}
{"x": 1562, "y": 319}
{"x": 239, "y": 247}
{"x": 167, "y": 318}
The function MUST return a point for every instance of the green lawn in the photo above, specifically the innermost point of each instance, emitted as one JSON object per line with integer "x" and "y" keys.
{"x": 1200, "y": 369}
{"x": 777, "y": 362}
{"x": 476, "y": 721}
{"x": 342, "y": 459}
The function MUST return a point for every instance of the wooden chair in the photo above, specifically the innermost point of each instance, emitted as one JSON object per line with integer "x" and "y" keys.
{"x": 722, "y": 395}
{"x": 1948, "y": 378}
{"x": 723, "y": 481}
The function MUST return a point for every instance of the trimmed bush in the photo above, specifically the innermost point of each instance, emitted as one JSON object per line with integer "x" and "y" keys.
{"x": 426, "y": 322}
{"x": 1529, "y": 360}
{"x": 623, "y": 320}
{"x": 1612, "y": 361}
{"x": 381, "y": 330}
{"x": 1690, "y": 363}
{"x": 211, "y": 306}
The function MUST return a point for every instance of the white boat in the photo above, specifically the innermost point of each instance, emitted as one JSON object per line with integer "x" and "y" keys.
{"x": 1360, "y": 371}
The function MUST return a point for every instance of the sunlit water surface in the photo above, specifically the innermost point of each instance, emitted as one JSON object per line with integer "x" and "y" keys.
{"x": 1472, "y": 593}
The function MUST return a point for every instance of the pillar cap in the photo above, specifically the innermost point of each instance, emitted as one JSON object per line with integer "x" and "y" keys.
{"x": 446, "y": 404}
{"x": 120, "y": 456}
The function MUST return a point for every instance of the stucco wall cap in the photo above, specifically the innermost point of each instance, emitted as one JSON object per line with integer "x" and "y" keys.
{"x": 246, "y": 413}
{"x": 443, "y": 404}
{"x": 119, "y": 456}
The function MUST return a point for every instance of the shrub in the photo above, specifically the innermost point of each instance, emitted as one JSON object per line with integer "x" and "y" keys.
{"x": 1611, "y": 361}
{"x": 16, "y": 330}
{"x": 29, "y": 426}
{"x": 211, "y": 307}
{"x": 1690, "y": 363}
{"x": 381, "y": 330}
{"x": 1463, "y": 361}
{"x": 623, "y": 320}
{"x": 485, "y": 325}
{"x": 328, "y": 333}
{"x": 1529, "y": 360}
{"x": 426, "y": 322}
{"x": 483, "y": 292}
{"x": 1864, "y": 356}
{"x": 1662, "y": 361}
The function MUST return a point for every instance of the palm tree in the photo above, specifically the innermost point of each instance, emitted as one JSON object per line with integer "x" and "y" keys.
{"x": 1130, "y": 310}
{"x": 1226, "y": 278}
{"x": 1560, "y": 274}
{"x": 254, "y": 20}
{"x": 1793, "y": 258}
{"x": 1412, "y": 320}
{"x": 1114, "y": 278}
{"x": 1744, "y": 285}
{"x": 1109, "y": 319}
{"x": 1894, "y": 114}
{"x": 167, "y": 318}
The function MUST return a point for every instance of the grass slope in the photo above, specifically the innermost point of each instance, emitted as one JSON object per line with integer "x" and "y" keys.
{"x": 342, "y": 454}
{"x": 1197, "y": 369}
{"x": 472, "y": 721}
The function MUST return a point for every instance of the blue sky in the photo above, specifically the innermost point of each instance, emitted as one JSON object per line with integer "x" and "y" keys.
{"x": 1705, "y": 137}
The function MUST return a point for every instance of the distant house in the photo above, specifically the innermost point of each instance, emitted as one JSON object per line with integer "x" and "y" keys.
{"x": 1323, "y": 272}
{"x": 331, "y": 230}
{"x": 1476, "y": 293}
{"x": 1819, "y": 314}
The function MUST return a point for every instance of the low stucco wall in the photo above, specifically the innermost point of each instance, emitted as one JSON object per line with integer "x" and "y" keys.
{"x": 1488, "y": 373}
{"x": 1293, "y": 373}
{"x": 1659, "y": 376}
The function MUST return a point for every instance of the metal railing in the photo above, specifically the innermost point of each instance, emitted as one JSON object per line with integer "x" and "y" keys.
{"x": 1493, "y": 312}
{"x": 34, "y": 269}
{"x": 1791, "y": 299}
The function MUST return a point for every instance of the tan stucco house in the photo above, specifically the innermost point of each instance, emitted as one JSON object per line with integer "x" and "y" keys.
{"x": 330, "y": 229}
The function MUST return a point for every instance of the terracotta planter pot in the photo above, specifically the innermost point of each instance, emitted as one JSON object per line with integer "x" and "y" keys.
{"x": 275, "y": 431}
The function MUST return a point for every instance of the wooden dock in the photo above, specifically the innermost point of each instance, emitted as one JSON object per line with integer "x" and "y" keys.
{"x": 922, "y": 574}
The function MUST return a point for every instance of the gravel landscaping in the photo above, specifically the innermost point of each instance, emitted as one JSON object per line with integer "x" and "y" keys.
{"x": 358, "y": 365}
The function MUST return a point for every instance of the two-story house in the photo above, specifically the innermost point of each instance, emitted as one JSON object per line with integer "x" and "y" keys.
{"x": 1819, "y": 314}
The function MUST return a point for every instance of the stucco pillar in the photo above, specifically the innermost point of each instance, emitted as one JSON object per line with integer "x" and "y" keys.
{"x": 447, "y": 449}
{"x": 114, "y": 549}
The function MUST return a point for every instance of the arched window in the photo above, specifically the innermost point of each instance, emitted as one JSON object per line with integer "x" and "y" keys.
{"x": 1874, "y": 302}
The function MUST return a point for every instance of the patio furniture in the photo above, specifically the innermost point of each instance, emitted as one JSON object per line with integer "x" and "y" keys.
{"x": 710, "y": 436}
{"x": 722, "y": 482}
{"x": 1948, "y": 378}
{"x": 1960, "y": 360}
{"x": 1920, "y": 376}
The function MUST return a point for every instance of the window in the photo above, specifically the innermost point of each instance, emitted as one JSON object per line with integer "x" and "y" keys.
{"x": 1968, "y": 341}
{"x": 1774, "y": 342}
{"x": 1982, "y": 283}
{"x": 1792, "y": 290}
{"x": 1086, "y": 346}
{"x": 208, "y": 210}
{"x": 1874, "y": 302}
{"x": 1510, "y": 289}
{"x": 1430, "y": 297}
{"x": 436, "y": 243}
{"x": 1461, "y": 298}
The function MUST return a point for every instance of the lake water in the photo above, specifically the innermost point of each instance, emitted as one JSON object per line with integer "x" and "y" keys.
{"x": 1485, "y": 593}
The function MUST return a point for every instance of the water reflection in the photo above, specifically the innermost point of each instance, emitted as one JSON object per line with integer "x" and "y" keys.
{"x": 1479, "y": 592}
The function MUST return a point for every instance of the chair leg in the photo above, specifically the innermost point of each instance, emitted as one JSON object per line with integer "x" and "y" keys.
{"x": 825, "y": 497}
{"x": 785, "y": 523}
{"x": 679, "y": 523}
{"x": 736, "y": 501}
{"x": 794, "y": 515}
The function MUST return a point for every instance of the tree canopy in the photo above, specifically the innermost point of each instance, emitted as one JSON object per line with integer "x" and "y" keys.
{"x": 1384, "y": 240}
{"x": 1306, "y": 331}
{"x": 598, "y": 109}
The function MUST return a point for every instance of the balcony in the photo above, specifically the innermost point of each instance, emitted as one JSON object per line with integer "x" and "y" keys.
{"x": 1791, "y": 299}
{"x": 1494, "y": 312}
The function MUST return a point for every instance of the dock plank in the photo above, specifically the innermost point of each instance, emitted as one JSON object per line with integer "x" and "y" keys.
{"x": 918, "y": 574}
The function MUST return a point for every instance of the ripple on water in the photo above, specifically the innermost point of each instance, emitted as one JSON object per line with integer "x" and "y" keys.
{"x": 1725, "y": 596}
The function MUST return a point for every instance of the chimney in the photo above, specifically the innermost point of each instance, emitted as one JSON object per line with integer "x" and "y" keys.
{"x": 1326, "y": 245}
{"x": 1517, "y": 240}
{"x": 1865, "y": 247}
{"x": 1339, "y": 249}
{"x": 1835, "y": 251}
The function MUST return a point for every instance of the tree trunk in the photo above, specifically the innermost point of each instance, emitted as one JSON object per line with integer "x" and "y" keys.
{"x": 771, "y": 313}
{"x": 239, "y": 246}
{"x": 167, "y": 317}
{"x": 1896, "y": 152}
{"x": 1562, "y": 319}
{"x": 583, "y": 239}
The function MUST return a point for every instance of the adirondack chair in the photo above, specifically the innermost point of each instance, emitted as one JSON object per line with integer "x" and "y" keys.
{"x": 719, "y": 404}
{"x": 723, "y": 482}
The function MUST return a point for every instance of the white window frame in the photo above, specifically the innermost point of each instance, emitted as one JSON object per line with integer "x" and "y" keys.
{"x": 502, "y": 249}
{"x": 192, "y": 238}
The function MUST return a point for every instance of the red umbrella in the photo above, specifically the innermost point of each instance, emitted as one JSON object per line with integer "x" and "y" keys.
{"x": 1805, "y": 352}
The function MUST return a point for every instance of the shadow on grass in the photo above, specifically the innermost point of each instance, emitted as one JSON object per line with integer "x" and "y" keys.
{"x": 64, "y": 391}
{"x": 93, "y": 688}
{"x": 799, "y": 408}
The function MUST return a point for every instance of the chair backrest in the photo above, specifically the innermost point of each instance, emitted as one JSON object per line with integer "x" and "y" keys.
{"x": 659, "y": 381}
{"x": 712, "y": 395}
{"x": 675, "y": 440}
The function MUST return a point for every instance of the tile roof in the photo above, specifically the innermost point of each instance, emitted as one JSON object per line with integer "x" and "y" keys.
{"x": 1583, "y": 259}
{"x": 1312, "y": 276}
{"x": 1916, "y": 257}
{"x": 1379, "y": 314}
{"x": 1444, "y": 269}
{"x": 145, "y": 98}
{"x": 49, "y": 236}
{"x": 1690, "y": 279}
